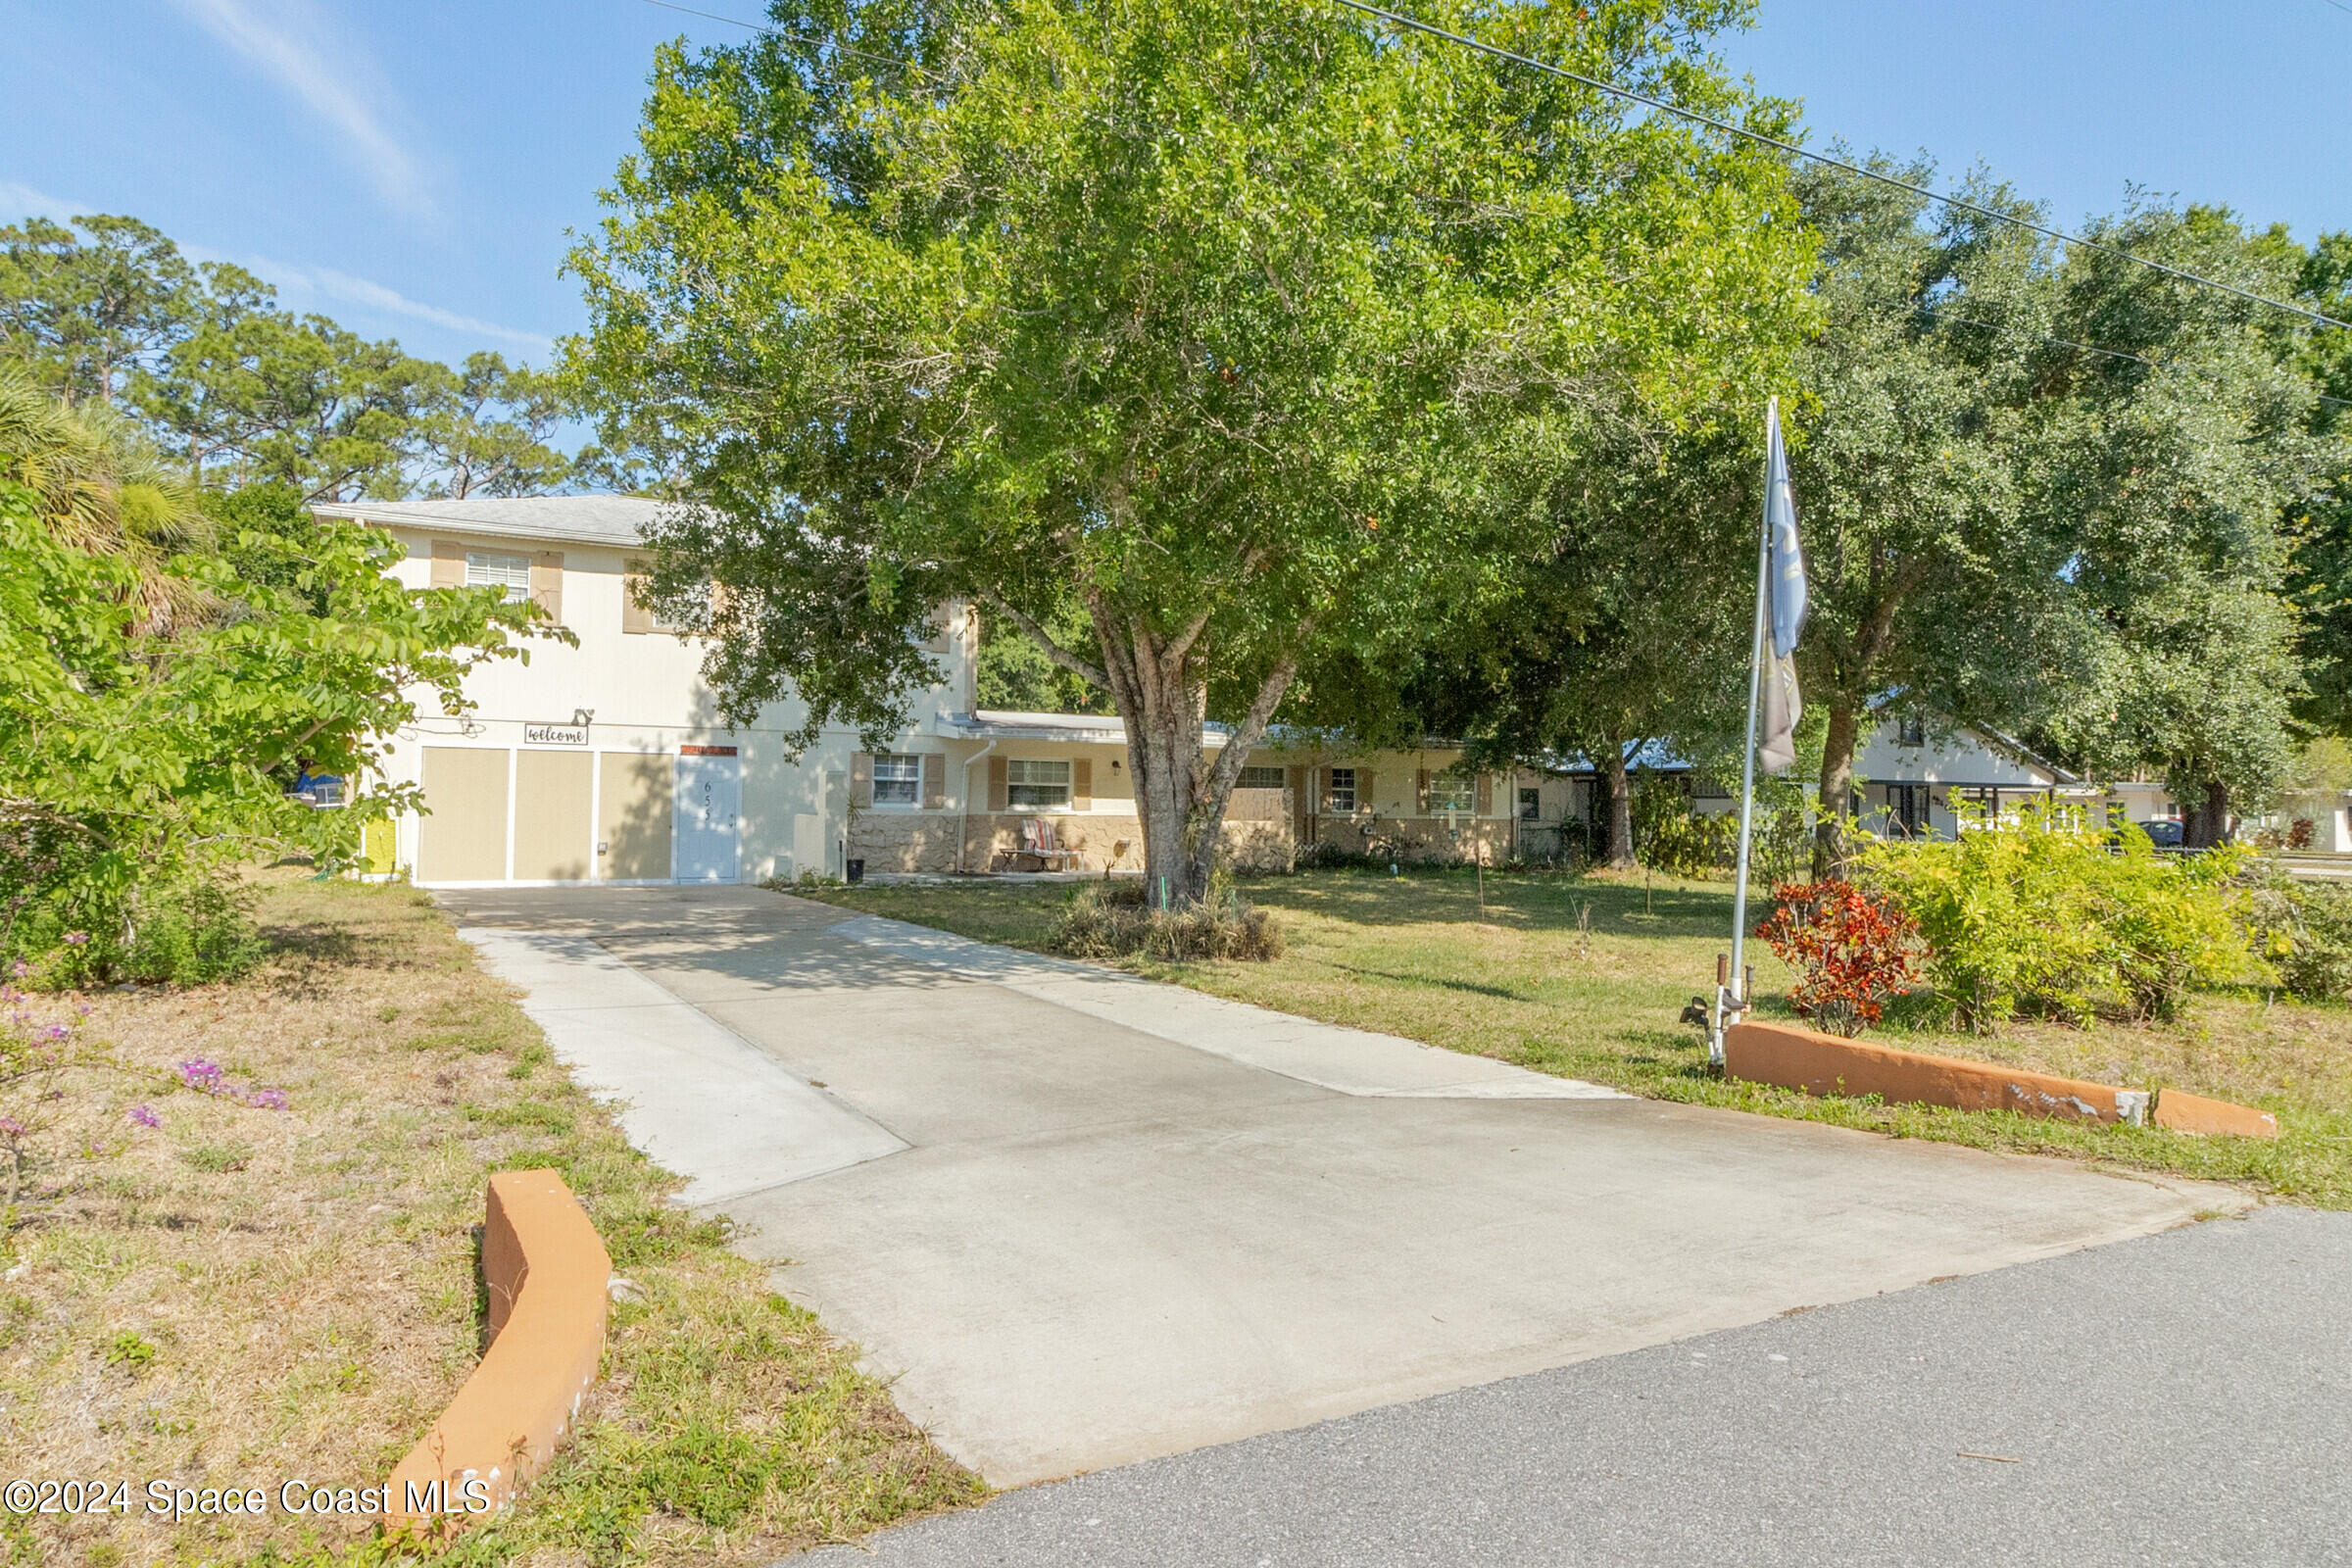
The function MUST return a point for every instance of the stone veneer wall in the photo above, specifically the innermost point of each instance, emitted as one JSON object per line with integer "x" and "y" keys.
{"x": 925, "y": 841}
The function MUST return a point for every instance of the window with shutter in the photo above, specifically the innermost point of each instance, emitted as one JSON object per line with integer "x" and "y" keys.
{"x": 1447, "y": 795}
{"x": 487, "y": 570}
{"x": 635, "y": 620}
{"x": 1032, "y": 783}
{"x": 898, "y": 778}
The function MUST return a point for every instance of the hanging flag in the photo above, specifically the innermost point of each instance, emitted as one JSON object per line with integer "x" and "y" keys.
{"x": 1785, "y": 599}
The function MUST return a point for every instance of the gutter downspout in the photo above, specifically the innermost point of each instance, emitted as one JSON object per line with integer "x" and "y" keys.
{"x": 964, "y": 824}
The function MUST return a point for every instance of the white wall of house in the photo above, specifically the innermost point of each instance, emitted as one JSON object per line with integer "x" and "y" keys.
{"x": 521, "y": 793}
{"x": 1922, "y": 784}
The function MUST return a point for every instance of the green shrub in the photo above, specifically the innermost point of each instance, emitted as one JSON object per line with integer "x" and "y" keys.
{"x": 74, "y": 930}
{"x": 2304, "y": 930}
{"x": 1672, "y": 836}
{"x": 1669, "y": 836}
{"x": 196, "y": 934}
{"x": 2045, "y": 916}
{"x": 1109, "y": 921}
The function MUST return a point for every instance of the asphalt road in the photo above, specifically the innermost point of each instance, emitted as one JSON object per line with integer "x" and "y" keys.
{"x": 2183, "y": 1399}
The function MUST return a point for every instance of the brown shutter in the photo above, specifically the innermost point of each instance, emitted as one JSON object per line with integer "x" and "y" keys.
{"x": 547, "y": 583}
{"x": 1301, "y": 804}
{"x": 1421, "y": 792}
{"x": 1486, "y": 795}
{"x": 935, "y": 781}
{"x": 635, "y": 618}
{"x": 1364, "y": 801}
{"x": 1082, "y": 783}
{"x": 1000, "y": 792}
{"x": 861, "y": 779}
{"x": 449, "y": 563}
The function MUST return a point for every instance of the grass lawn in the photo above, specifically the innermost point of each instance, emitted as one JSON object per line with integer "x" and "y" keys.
{"x": 1586, "y": 976}
{"x": 244, "y": 1294}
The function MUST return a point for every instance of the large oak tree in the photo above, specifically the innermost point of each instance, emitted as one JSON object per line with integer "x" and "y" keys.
{"x": 1197, "y": 324}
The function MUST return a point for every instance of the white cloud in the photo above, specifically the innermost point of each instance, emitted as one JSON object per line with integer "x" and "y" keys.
{"x": 359, "y": 291}
{"x": 18, "y": 201}
{"x": 308, "y": 287}
{"x": 328, "y": 89}
{"x": 299, "y": 287}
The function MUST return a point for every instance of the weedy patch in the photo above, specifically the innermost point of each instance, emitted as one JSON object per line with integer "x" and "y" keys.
{"x": 246, "y": 1254}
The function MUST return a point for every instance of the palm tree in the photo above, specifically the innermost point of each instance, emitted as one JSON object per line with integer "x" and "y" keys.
{"x": 104, "y": 489}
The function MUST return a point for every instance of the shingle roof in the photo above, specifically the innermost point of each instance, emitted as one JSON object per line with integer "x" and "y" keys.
{"x": 579, "y": 519}
{"x": 1005, "y": 725}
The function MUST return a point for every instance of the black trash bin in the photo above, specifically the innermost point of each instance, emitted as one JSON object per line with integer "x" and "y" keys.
{"x": 857, "y": 870}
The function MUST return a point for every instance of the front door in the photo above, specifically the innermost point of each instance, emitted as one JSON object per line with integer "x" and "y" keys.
{"x": 706, "y": 822}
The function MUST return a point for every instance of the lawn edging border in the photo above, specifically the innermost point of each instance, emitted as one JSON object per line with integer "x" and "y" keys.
{"x": 1818, "y": 1063}
{"x": 548, "y": 1276}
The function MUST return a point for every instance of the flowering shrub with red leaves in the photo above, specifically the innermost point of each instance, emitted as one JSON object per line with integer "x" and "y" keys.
{"x": 1851, "y": 949}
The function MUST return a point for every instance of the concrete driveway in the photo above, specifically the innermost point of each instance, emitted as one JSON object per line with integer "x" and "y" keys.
{"x": 1084, "y": 1220}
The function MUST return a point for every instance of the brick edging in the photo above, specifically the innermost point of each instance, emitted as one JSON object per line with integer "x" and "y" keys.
{"x": 1830, "y": 1065}
{"x": 547, "y": 1274}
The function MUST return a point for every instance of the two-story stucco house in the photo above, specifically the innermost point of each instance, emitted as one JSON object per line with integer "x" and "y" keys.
{"x": 607, "y": 763}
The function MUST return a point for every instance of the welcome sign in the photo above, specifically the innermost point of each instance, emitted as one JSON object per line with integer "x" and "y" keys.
{"x": 555, "y": 734}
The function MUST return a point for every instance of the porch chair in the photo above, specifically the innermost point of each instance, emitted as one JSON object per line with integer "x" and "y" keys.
{"x": 1038, "y": 839}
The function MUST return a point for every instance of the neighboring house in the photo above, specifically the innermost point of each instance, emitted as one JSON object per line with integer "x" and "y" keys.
{"x": 2319, "y": 821}
{"x": 1915, "y": 781}
{"x": 607, "y": 763}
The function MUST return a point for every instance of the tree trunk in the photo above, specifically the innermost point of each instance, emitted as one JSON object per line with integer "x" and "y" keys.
{"x": 1621, "y": 804}
{"x": 1159, "y": 685}
{"x": 2205, "y": 824}
{"x": 1830, "y": 847}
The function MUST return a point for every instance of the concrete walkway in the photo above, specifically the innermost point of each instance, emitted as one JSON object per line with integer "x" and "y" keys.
{"x": 1129, "y": 1221}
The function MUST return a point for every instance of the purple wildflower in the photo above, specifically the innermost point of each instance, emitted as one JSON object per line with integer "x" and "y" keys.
{"x": 10, "y": 1127}
{"x": 145, "y": 1116}
{"x": 76, "y": 939}
{"x": 56, "y": 1031}
{"x": 19, "y": 969}
{"x": 201, "y": 1074}
{"x": 267, "y": 1100}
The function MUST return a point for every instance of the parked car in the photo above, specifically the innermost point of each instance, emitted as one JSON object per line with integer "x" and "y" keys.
{"x": 2165, "y": 835}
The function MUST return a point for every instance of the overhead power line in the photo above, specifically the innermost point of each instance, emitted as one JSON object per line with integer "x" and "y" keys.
{"x": 1415, "y": 25}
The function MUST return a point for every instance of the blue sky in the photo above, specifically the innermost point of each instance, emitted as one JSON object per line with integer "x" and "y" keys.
{"x": 411, "y": 169}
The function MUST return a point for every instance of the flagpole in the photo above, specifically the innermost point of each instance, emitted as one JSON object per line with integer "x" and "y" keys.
{"x": 1738, "y": 999}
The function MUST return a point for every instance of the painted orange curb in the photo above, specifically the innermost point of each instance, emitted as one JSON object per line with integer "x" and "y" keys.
{"x": 546, "y": 1274}
{"x": 1829, "y": 1064}
{"x": 2184, "y": 1112}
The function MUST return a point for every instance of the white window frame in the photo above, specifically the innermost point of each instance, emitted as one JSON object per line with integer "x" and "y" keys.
{"x": 900, "y": 770}
{"x": 1031, "y": 784}
{"x": 1261, "y": 781}
{"x": 1530, "y": 804}
{"x": 491, "y": 569}
{"x": 1452, "y": 796}
{"x": 1341, "y": 796}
